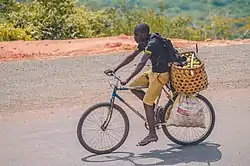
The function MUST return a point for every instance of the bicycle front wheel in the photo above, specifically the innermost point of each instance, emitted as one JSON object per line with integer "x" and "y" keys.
{"x": 96, "y": 139}
{"x": 190, "y": 135}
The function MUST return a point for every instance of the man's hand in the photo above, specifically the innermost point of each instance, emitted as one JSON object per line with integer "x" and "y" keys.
{"x": 124, "y": 82}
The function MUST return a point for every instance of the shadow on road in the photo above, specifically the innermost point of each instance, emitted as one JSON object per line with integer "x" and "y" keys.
{"x": 203, "y": 153}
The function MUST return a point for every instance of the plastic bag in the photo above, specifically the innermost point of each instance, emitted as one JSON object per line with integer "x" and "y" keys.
{"x": 187, "y": 112}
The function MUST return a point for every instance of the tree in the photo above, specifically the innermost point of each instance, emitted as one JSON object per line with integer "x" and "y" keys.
{"x": 55, "y": 16}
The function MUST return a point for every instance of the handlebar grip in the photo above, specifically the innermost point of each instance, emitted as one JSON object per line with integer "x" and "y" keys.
{"x": 109, "y": 73}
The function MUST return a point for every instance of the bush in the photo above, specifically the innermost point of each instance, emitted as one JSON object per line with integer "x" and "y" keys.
{"x": 56, "y": 19}
{"x": 9, "y": 33}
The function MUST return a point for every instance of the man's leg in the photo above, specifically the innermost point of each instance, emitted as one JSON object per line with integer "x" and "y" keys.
{"x": 151, "y": 121}
{"x": 153, "y": 92}
{"x": 152, "y": 136}
{"x": 142, "y": 80}
{"x": 139, "y": 93}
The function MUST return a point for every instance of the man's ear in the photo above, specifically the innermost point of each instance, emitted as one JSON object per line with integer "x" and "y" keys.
{"x": 145, "y": 35}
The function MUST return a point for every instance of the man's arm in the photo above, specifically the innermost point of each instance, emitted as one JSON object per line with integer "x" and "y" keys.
{"x": 140, "y": 66}
{"x": 127, "y": 60}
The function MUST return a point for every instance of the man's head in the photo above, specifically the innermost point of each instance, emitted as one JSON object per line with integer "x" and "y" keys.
{"x": 141, "y": 32}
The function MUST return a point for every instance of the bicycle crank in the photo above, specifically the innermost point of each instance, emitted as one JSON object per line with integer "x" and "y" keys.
{"x": 157, "y": 126}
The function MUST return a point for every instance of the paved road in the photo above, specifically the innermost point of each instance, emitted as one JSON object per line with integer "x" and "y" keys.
{"x": 41, "y": 102}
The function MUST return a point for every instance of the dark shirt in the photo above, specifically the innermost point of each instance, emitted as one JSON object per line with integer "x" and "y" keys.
{"x": 156, "y": 49}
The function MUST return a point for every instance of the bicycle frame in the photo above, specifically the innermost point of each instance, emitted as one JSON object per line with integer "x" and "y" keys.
{"x": 115, "y": 95}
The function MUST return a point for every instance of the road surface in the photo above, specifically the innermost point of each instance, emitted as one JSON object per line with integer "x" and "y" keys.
{"x": 42, "y": 101}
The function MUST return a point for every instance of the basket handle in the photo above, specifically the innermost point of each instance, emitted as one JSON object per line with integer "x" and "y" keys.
{"x": 192, "y": 59}
{"x": 196, "y": 46}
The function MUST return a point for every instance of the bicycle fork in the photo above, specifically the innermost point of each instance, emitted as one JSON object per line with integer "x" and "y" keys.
{"x": 108, "y": 119}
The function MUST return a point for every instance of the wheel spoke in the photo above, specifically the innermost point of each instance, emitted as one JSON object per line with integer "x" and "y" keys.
{"x": 103, "y": 116}
{"x": 187, "y": 135}
{"x": 90, "y": 119}
{"x": 92, "y": 139}
{"x": 113, "y": 119}
{"x": 112, "y": 135}
{"x": 110, "y": 138}
{"x": 96, "y": 120}
{"x": 97, "y": 140}
{"x": 89, "y": 125}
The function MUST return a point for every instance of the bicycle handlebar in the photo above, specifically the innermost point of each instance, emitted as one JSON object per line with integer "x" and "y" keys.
{"x": 110, "y": 74}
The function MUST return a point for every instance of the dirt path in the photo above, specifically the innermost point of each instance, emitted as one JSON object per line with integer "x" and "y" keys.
{"x": 74, "y": 81}
{"x": 49, "y": 49}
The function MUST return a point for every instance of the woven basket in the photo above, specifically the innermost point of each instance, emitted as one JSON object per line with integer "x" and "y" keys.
{"x": 189, "y": 80}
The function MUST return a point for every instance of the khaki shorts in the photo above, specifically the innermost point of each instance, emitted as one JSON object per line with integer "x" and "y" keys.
{"x": 154, "y": 82}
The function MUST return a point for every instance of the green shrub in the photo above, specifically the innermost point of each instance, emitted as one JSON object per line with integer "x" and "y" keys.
{"x": 9, "y": 33}
{"x": 56, "y": 19}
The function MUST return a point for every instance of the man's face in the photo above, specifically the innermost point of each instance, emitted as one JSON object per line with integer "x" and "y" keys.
{"x": 139, "y": 37}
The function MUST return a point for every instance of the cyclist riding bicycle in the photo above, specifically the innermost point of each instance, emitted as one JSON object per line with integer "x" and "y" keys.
{"x": 155, "y": 78}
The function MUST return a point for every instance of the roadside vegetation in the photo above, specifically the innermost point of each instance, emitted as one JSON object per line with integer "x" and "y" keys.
{"x": 69, "y": 19}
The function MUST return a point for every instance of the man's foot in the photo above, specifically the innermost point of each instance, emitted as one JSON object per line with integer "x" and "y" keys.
{"x": 147, "y": 140}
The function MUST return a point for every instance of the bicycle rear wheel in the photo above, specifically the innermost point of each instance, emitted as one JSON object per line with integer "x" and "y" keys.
{"x": 90, "y": 130}
{"x": 199, "y": 134}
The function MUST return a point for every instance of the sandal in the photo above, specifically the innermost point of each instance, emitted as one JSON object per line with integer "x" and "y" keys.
{"x": 146, "y": 141}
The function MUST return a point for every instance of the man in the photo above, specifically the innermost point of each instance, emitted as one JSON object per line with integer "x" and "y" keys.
{"x": 154, "y": 79}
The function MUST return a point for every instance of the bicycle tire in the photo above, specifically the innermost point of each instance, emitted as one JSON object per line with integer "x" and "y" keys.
{"x": 84, "y": 116}
{"x": 209, "y": 131}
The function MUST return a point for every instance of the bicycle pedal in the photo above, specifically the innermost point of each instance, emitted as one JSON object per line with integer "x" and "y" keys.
{"x": 157, "y": 126}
